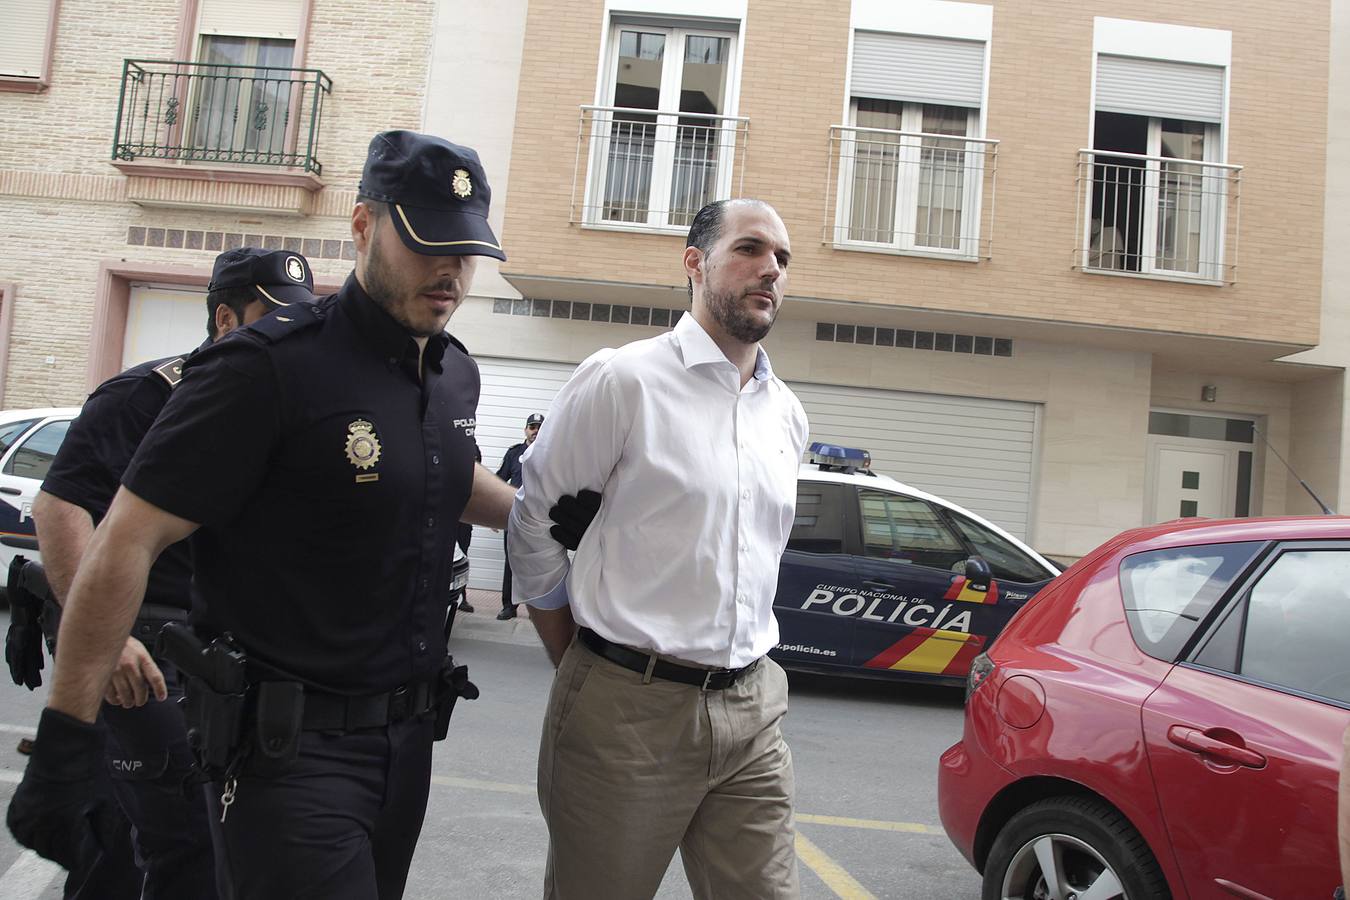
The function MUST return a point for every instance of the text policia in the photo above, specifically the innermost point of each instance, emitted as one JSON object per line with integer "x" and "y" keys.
{"x": 892, "y": 608}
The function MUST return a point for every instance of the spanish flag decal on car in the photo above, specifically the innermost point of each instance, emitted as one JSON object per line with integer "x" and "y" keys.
{"x": 963, "y": 589}
{"x": 931, "y": 651}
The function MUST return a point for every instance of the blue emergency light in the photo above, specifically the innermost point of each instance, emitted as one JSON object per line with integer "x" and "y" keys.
{"x": 831, "y": 457}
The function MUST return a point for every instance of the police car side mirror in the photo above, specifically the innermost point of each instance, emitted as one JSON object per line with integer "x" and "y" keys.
{"x": 978, "y": 573}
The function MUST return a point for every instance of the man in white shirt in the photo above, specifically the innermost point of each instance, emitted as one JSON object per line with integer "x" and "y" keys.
{"x": 662, "y": 728}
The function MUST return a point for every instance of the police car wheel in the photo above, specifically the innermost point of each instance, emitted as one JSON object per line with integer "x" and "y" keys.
{"x": 1067, "y": 846}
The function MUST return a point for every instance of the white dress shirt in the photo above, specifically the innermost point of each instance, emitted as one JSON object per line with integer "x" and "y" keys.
{"x": 698, "y": 484}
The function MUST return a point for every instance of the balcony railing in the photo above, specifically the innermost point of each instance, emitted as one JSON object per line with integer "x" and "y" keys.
{"x": 647, "y": 168}
{"x": 226, "y": 114}
{"x": 1159, "y": 216}
{"x": 910, "y": 192}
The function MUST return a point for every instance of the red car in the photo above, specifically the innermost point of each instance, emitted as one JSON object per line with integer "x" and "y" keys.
{"x": 1164, "y": 720}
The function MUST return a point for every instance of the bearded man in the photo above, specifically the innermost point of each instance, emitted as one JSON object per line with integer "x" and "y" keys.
{"x": 663, "y": 726}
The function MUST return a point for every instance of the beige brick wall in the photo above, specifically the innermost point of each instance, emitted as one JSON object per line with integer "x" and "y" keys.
{"x": 791, "y": 88}
{"x": 62, "y": 206}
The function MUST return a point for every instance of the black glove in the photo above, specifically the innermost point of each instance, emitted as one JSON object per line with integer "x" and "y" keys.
{"x": 573, "y": 516}
{"x": 23, "y": 648}
{"x": 58, "y": 809}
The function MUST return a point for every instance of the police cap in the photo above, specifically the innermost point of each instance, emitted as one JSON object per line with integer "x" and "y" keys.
{"x": 534, "y": 419}
{"x": 280, "y": 277}
{"x": 438, "y": 192}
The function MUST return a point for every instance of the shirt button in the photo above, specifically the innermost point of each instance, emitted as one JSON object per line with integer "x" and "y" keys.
{"x": 745, "y": 495}
{"x": 431, "y": 523}
{"x": 426, "y": 582}
{"x": 435, "y": 460}
{"x": 421, "y": 646}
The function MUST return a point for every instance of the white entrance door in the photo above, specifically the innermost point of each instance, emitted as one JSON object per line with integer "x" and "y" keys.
{"x": 163, "y": 322}
{"x": 1192, "y": 481}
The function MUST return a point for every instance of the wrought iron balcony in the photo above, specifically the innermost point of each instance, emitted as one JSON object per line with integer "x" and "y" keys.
{"x": 224, "y": 114}
{"x": 1158, "y": 216}
{"x": 647, "y": 168}
{"x": 910, "y": 192}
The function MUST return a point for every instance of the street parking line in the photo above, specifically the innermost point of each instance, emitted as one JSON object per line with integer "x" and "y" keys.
{"x": 873, "y": 824}
{"x": 844, "y": 885}
{"x": 473, "y": 784}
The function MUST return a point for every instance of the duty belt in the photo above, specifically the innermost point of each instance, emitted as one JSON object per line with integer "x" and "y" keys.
{"x": 651, "y": 664}
{"x": 151, "y": 619}
{"x": 339, "y": 712}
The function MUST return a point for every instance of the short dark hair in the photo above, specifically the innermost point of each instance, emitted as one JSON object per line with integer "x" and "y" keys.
{"x": 707, "y": 226}
{"x": 236, "y": 298}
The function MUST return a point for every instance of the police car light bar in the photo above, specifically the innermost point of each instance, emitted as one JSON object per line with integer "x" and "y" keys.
{"x": 831, "y": 457}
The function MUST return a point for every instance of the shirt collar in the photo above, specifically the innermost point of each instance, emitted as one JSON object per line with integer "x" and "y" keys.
{"x": 388, "y": 337}
{"x": 698, "y": 349}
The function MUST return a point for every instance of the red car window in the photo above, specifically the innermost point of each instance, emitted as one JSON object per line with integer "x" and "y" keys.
{"x": 1168, "y": 592}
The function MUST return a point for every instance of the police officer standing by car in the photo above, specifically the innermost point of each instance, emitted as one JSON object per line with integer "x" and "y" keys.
{"x": 512, "y": 471}
{"x": 321, "y": 459}
{"x": 148, "y": 753}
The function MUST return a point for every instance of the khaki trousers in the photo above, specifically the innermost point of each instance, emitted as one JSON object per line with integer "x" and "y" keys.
{"x": 629, "y": 771}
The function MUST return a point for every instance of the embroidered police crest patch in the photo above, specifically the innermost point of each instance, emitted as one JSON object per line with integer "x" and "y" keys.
{"x": 460, "y": 184}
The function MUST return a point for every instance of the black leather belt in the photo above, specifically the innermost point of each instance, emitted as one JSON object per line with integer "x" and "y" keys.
{"x": 646, "y": 663}
{"x": 151, "y": 619}
{"x": 337, "y": 712}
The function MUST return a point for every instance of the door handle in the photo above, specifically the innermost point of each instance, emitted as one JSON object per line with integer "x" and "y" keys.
{"x": 1225, "y": 751}
{"x": 878, "y": 585}
{"x": 10, "y": 490}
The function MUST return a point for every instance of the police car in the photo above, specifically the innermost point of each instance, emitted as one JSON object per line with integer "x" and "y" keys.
{"x": 29, "y": 439}
{"x": 886, "y": 581}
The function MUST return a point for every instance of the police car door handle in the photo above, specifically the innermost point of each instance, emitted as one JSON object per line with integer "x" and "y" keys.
{"x": 10, "y": 490}
{"x": 879, "y": 585}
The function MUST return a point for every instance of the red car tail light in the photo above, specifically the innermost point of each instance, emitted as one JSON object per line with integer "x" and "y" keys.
{"x": 981, "y": 667}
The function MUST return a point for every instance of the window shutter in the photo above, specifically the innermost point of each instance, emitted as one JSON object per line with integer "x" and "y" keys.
{"x": 1154, "y": 87}
{"x": 250, "y": 18}
{"x": 918, "y": 69}
{"x": 23, "y": 37}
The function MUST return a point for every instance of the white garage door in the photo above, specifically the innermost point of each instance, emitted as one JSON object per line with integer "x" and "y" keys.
{"x": 978, "y": 453}
{"x": 163, "y": 322}
{"x": 512, "y": 389}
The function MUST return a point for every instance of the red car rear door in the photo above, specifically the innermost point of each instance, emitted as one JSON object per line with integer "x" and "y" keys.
{"x": 1244, "y": 738}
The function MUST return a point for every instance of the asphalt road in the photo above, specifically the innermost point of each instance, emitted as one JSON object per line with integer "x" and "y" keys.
{"x": 865, "y": 754}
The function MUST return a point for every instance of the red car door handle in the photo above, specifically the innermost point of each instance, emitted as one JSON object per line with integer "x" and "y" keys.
{"x": 1200, "y": 742}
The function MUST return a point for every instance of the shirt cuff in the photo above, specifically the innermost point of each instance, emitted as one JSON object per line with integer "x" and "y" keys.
{"x": 554, "y": 599}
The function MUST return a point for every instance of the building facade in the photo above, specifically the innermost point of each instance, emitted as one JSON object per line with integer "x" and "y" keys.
{"x": 143, "y": 138}
{"x": 1055, "y": 264}
{"x": 1050, "y": 263}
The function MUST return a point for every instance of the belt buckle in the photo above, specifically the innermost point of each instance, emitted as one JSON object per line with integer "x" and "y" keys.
{"x": 707, "y": 677}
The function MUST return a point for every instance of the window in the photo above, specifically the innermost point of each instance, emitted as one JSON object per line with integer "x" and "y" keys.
{"x": 907, "y": 530}
{"x": 1297, "y": 633}
{"x": 10, "y": 433}
{"x": 1007, "y": 561}
{"x": 245, "y": 92}
{"x": 665, "y": 146}
{"x": 24, "y": 41}
{"x": 1155, "y": 208}
{"x": 909, "y": 173}
{"x": 818, "y": 526}
{"x": 1167, "y": 592}
{"x": 34, "y": 456}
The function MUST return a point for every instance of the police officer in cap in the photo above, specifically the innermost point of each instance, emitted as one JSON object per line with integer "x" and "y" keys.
{"x": 147, "y": 752}
{"x": 512, "y": 471}
{"x": 321, "y": 460}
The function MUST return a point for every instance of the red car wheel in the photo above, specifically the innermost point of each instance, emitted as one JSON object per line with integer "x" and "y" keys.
{"x": 1069, "y": 847}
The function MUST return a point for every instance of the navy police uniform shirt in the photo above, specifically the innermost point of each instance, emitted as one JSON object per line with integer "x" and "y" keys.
{"x": 101, "y": 442}
{"x": 328, "y": 482}
{"x": 512, "y": 471}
